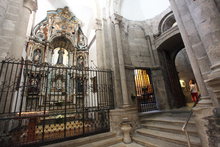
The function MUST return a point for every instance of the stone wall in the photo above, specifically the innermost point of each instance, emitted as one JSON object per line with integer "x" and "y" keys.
{"x": 135, "y": 47}
{"x": 199, "y": 24}
{"x": 14, "y": 18}
{"x": 218, "y": 4}
{"x": 9, "y": 11}
{"x": 139, "y": 51}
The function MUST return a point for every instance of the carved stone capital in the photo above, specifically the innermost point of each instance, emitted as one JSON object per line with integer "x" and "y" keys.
{"x": 30, "y": 5}
{"x": 98, "y": 24}
{"x": 117, "y": 6}
{"x": 116, "y": 18}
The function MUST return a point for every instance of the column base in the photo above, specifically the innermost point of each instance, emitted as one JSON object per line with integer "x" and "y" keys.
{"x": 205, "y": 101}
{"x": 117, "y": 116}
{"x": 124, "y": 106}
{"x": 214, "y": 82}
{"x": 202, "y": 113}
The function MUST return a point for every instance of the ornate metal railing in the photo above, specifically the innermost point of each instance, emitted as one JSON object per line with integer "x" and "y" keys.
{"x": 146, "y": 103}
{"x": 40, "y": 103}
{"x": 184, "y": 128}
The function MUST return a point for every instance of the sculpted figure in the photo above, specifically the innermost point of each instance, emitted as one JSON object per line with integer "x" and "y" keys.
{"x": 37, "y": 55}
{"x": 60, "y": 56}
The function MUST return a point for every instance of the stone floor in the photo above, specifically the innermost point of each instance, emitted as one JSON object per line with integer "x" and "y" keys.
{"x": 126, "y": 145}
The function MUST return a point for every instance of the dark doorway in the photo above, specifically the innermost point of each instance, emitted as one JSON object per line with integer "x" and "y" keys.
{"x": 185, "y": 74}
{"x": 167, "y": 52}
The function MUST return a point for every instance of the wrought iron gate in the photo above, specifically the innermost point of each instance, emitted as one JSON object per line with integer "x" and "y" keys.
{"x": 40, "y": 103}
{"x": 146, "y": 100}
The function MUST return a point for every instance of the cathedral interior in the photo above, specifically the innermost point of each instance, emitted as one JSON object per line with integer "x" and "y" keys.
{"x": 110, "y": 73}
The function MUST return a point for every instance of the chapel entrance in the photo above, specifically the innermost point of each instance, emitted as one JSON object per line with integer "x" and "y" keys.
{"x": 146, "y": 100}
{"x": 170, "y": 62}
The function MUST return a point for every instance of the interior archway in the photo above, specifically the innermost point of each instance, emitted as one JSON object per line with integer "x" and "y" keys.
{"x": 62, "y": 42}
{"x": 167, "y": 53}
{"x": 185, "y": 73}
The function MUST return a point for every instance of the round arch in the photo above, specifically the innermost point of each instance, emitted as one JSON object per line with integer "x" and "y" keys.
{"x": 167, "y": 22}
{"x": 62, "y": 42}
{"x": 167, "y": 52}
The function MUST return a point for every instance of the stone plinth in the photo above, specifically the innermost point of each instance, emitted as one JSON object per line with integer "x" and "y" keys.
{"x": 202, "y": 113}
{"x": 117, "y": 116}
{"x": 126, "y": 129}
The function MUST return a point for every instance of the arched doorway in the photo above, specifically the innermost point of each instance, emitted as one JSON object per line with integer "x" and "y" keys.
{"x": 185, "y": 73}
{"x": 167, "y": 52}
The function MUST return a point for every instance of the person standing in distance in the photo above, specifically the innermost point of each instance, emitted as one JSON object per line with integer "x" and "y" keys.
{"x": 194, "y": 90}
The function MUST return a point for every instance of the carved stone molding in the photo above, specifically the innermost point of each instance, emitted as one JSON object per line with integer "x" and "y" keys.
{"x": 98, "y": 24}
{"x": 116, "y": 18}
{"x": 30, "y": 5}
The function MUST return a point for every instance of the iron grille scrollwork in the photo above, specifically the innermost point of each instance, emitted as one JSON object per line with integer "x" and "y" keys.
{"x": 40, "y": 103}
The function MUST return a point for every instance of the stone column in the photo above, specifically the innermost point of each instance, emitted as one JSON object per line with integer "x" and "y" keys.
{"x": 206, "y": 17}
{"x": 99, "y": 44}
{"x": 148, "y": 38}
{"x": 199, "y": 62}
{"x": 116, "y": 20}
{"x": 70, "y": 58}
{"x": 8, "y": 20}
{"x": 195, "y": 50}
{"x": 17, "y": 47}
{"x": 114, "y": 64}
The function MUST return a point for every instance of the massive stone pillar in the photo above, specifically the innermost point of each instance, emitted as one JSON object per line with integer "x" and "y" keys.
{"x": 199, "y": 23}
{"x": 116, "y": 21}
{"x": 206, "y": 17}
{"x": 195, "y": 50}
{"x": 19, "y": 40}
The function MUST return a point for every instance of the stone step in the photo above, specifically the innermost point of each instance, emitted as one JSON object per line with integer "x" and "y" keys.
{"x": 171, "y": 113}
{"x": 170, "y": 137}
{"x": 85, "y": 140}
{"x": 154, "y": 142}
{"x": 133, "y": 144}
{"x": 168, "y": 120}
{"x": 192, "y": 130}
{"x": 104, "y": 143}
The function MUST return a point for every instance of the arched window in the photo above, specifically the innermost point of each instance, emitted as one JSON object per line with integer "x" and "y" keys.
{"x": 167, "y": 22}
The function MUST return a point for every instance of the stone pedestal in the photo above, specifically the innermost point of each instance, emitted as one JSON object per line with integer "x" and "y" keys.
{"x": 201, "y": 115}
{"x": 126, "y": 129}
{"x": 117, "y": 117}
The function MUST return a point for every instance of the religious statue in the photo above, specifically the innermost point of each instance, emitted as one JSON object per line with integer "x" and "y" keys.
{"x": 60, "y": 56}
{"x": 59, "y": 84}
{"x": 66, "y": 13}
{"x": 80, "y": 61}
{"x": 37, "y": 55}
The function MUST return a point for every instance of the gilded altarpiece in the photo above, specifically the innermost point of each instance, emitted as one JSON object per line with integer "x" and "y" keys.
{"x": 59, "y": 41}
